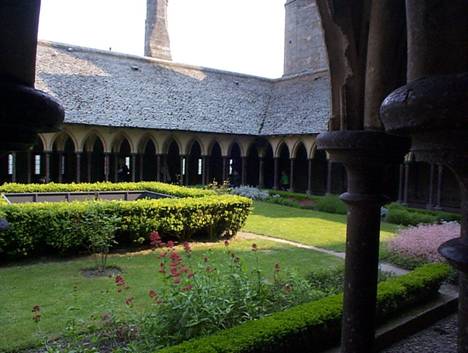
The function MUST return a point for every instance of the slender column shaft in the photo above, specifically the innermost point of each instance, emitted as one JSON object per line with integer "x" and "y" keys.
{"x": 204, "y": 170}
{"x": 78, "y": 167}
{"x": 13, "y": 170}
{"x": 405, "y": 189}
{"x": 440, "y": 171}
{"x": 47, "y": 166}
{"x": 244, "y": 171}
{"x": 61, "y": 166}
{"x": 116, "y": 166}
{"x": 291, "y": 175}
{"x": 133, "y": 157}
{"x": 309, "y": 176}
{"x": 89, "y": 164}
{"x": 329, "y": 176}
{"x": 158, "y": 167}
{"x": 261, "y": 173}
{"x": 28, "y": 166}
{"x": 401, "y": 183}
{"x": 430, "y": 202}
{"x": 183, "y": 170}
{"x": 225, "y": 166}
{"x": 141, "y": 161}
{"x": 276, "y": 174}
{"x": 107, "y": 166}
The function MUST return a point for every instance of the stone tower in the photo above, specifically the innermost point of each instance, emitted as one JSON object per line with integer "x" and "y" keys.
{"x": 304, "y": 46}
{"x": 157, "y": 43}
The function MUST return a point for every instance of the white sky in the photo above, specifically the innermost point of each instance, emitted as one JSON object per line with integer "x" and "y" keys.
{"x": 236, "y": 35}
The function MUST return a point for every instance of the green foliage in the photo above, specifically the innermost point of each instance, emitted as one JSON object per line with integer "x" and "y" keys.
{"x": 331, "y": 281}
{"x": 199, "y": 298}
{"x": 40, "y": 228}
{"x": 327, "y": 203}
{"x": 399, "y": 214}
{"x": 315, "y": 324}
{"x": 153, "y": 186}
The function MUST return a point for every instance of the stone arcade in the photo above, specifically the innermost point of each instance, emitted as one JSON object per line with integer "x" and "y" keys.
{"x": 191, "y": 125}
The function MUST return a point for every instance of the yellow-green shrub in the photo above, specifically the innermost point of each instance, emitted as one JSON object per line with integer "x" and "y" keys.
{"x": 49, "y": 228}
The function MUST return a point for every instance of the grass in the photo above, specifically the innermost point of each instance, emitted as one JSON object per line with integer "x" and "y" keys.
{"x": 64, "y": 294}
{"x": 324, "y": 230}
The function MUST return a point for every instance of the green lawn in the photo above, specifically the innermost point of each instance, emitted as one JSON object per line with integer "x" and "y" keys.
{"x": 324, "y": 230}
{"x": 64, "y": 294}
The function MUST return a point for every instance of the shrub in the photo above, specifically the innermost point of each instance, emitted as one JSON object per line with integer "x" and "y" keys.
{"x": 416, "y": 245}
{"x": 398, "y": 214}
{"x": 330, "y": 204}
{"x": 198, "y": 298}
{"x": 250, "y": 192}
{"x": 153, "y": 186}
{"x": 315, "y": 324}
{"x": 39, "y": 228}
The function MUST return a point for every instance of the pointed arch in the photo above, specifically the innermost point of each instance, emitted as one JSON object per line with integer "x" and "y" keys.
{"x": 88, "y": 142}
{"x": 144, "y": 140}
{"x": 118, "y": 140}
{"x": 280, "y": 147}
{"x": 297, "y": 146}
{"x": 167, "y": 144}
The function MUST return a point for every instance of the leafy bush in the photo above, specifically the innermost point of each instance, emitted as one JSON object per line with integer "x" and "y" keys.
{"x": 315, "y": 324}
{"x": 199, "y": 299}
{"x": 327, "y": 203}
{"x": 398, "y": 214}
{"x": 250, "y": 192}
{"x": 331, "y": 281}
{"x": 330, "y": 204}
{"x": 153, "y": 186}
{"x": 416, "y": 245}
{"x": 45, "y": 228}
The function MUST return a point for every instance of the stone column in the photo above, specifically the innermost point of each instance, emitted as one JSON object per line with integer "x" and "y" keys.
{"x": 133, "y": 158}
{"x": 309, "y": 176}
{"x": 291, "y": 174}
{"x": 365, "y": 154}
{"x": 115, "y": 168}
{"x": 329, "y": 177}
{"x": 89, "y": 164}
{"x": 183, "y": 177}
{"x": 140, "y": 167}
{"x": 61, "y": 166}
{"x": 225, "y": 167}
{"x": 47, "y": 166}
{"x": 244, "y": 170}
{"x": 430, "y": 201}
{"x": 406, "y": 184}
{"x": 261, "y": 173}
{"x": 13, "y": 170}
{"x": 78, "y": 166}
{"x": 29, "y": 166}
{"x": 205, "y": 169}
{"x": 440, "y": 174}
{"x": 276, "y": 173}
{"x": 107, "y": 166}
{"x": 401, "y": 183}
{"x": 158, "y": 167}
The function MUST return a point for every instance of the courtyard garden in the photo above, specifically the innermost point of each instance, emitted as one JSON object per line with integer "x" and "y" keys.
{"x": 129, "y": 275}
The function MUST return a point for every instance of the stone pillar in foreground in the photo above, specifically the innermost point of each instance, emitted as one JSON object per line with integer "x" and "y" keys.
{"x": 365, "y": 155}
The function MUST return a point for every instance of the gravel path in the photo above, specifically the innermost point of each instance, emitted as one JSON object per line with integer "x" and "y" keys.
{"x": 438, "y": 338}
{"x": 386, "y": 267}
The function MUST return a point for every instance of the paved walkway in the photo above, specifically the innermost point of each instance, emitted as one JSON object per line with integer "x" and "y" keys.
{"x": 386, "y": 267}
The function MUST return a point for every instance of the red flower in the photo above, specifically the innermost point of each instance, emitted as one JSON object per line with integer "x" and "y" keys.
{"x": 155, "y": 239}
{"x": 129, "y": 301}
{"x": 187, "y": 247}
{"x": 176, "y": 280}
{"x": 36, "y": 313}
{"x": 254, "y": 247}
{"x": 187, "y": 288}
{"x": 170, "y": 244}
{"x": 226, "y": 243}
{"x": 152, "y": 294}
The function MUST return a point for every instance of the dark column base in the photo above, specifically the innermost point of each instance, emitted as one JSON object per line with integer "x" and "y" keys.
{"x": 365, "y": 155}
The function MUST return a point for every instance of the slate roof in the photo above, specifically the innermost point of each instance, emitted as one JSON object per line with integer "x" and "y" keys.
{"x": 109, "y": 89}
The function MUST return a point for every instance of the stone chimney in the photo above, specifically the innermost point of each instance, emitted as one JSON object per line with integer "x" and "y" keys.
{"x": 304, "y": 46}
{"x": 157, "y": 43}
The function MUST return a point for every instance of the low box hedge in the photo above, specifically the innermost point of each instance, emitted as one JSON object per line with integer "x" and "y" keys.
{"x": 315, "y": 326}
{"x": 51, "y": 228}
{"x": 153, "y": 186}
{"x": 399, "y": 214}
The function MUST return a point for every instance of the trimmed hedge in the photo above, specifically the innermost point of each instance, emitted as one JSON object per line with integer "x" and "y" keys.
{"x": 327, "y": 203}
{"x": 399, "y": 214}
{"x": 315, "y": 326}
{"x": 50, "y": 228}
{"x": 154, "y": 186}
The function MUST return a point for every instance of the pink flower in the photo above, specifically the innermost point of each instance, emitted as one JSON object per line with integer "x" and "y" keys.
{"x": 170, "y": 244}
{"x": 129, "y": 301}
{"x": 155, "y": 239}
{"x": 226, "y": 243}
{"x": 187, "y": 248}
